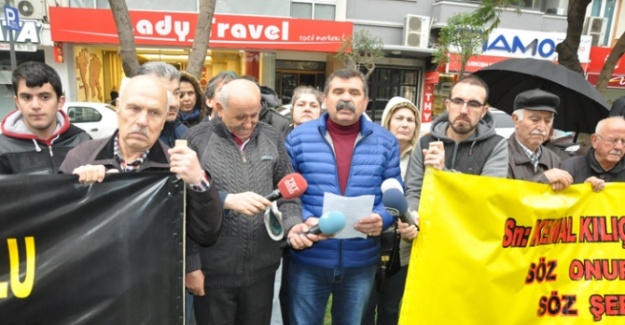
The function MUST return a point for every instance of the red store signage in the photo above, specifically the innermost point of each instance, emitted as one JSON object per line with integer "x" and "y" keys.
{"x": 615, "y": 81}
{"x": 97, "y": 26}
{"x": 428, "y": 101}
{"x": 598, "y": 55}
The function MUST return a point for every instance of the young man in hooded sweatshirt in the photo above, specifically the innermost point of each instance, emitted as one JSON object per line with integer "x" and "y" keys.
{"x": 470, "y": 144}
{"x": 38, "y": 134}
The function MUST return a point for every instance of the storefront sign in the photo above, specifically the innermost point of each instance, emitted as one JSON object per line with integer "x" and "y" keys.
{"x": 97, "y": 26}
{"x": 26, "y": 38}
{"x": 616, "y": 81}
{"x": 513, "y": 43}
{"x": 428, "y": 101}
{"x": 431, "y": 79}
{"x": 598, "y": 56}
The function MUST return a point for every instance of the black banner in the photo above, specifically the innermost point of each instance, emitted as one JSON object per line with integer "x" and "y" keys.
{"x": 107, "y": 253}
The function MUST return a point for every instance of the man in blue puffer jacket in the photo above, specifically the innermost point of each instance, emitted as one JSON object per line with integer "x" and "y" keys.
{"x": 341, "y": 153}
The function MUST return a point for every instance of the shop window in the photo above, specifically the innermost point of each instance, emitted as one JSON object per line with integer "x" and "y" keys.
{"x": 301, "y": 10}
{"x": 314, "y": 9}
{"x": 290, "y": 74}
{"x": 7, "y": 103}
{"x": 386, "y": 83}
{"x": 556, "y": 7}
{"x": 604, "y": 8}
{"x": 287, "y": 81}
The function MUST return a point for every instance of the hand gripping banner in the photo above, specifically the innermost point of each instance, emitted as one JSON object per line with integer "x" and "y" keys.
{"x": 499, "y": 251}
{"x": 108, "y": 253}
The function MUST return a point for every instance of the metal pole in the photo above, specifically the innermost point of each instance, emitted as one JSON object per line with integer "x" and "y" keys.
{"x": 11, "y": 43}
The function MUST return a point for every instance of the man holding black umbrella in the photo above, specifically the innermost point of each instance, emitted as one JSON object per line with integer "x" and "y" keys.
{"x": 534, "y": 111}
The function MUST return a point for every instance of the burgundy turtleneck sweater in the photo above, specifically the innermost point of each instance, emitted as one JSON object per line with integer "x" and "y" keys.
{"x": 343, "y": 139}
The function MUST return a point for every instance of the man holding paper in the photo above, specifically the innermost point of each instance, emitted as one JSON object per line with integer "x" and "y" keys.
{"x": 343, "y": 154}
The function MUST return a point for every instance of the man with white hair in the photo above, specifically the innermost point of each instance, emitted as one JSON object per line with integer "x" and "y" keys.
{"x": 534, "y": 111}
{"x": 604, "y": 161}
{"x": 142, "y": 110}
{"x": 246, "y": 159}
{"x": 170, "y": 77}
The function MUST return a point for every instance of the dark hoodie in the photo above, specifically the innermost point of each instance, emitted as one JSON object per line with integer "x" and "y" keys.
{"x": 269, "y": 100}
{"x": 483, "y": 144}
{"x": 21, "y": 152}
{"x": 200, "y": 111}
{"x": 172, "y": 131}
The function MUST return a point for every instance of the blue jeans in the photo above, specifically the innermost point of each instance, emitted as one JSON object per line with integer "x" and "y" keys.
{"x": 310, "y": 287}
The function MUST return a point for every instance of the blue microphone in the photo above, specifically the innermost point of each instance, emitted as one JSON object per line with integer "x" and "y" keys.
{"x": 396, "y": 205}
{"x": 329, "y": 224}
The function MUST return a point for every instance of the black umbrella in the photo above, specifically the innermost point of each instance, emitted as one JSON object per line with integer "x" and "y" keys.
{"x": 581, "y": 105}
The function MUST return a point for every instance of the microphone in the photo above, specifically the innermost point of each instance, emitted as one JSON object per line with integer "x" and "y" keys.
{"x": 289, "y": 187}
{"x": 390, "y": 183}
{"x": 329, "y": 224}
{"x": 396, "y": 205}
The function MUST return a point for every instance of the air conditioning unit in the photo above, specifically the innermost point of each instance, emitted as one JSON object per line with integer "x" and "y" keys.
{"x": 416, "y": 31}
{"x": 31, "y": 9}
{"x": 595, "y": 27}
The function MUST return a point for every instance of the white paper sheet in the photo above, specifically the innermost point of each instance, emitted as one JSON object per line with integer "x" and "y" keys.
{"x": 354, "y": 208}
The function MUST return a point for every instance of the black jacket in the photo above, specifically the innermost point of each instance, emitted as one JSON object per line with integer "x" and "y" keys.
{"x": 582, "y": 167}
{"x": 244, "y": 252}
{"x": 204, "y": 209}
{"x": 270, "y": 100}
{"x": 21, "y": 152}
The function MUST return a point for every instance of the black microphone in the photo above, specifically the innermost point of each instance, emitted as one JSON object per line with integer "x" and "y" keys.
{"x": 396, "y": 205}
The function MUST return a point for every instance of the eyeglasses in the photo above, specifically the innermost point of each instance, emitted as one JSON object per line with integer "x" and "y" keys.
{"x": 611, "y": 141}
{"x": 471, "y": 104}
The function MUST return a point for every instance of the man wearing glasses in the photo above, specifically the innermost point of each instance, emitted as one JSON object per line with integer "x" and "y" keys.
{"x": 604, "y": 161}
{"x": 462, "y": 140}
{"x": 534, "y": 111}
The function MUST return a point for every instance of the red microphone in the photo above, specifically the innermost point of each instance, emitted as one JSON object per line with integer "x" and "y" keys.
{"x": 289, "y": 187}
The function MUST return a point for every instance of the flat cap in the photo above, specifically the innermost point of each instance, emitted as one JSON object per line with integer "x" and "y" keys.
{"x": 537, "y": 100}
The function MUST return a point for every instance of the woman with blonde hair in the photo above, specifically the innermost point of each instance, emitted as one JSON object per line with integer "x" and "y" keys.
{"x": 403, "y": 119}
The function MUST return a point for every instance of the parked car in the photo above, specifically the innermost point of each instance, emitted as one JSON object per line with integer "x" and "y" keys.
{"x": 99, "y": 120}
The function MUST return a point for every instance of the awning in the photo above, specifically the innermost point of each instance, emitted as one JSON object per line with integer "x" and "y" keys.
{"x": 176, "y": 29}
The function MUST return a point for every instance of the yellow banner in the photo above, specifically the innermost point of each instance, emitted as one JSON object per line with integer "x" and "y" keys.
{"x": 498, "y": 252}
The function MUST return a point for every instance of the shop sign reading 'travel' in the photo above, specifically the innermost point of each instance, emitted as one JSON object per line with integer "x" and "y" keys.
{"x": 97, "y": 26}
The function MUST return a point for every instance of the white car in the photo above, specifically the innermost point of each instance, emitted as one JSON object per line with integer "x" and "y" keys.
{"x": 99, "y": 120}
{"x": 504, "y": 126}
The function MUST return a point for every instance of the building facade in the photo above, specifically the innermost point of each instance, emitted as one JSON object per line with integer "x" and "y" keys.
{"x": 286, "y": 43}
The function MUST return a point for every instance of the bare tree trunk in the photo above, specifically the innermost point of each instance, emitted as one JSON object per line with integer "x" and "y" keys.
{"x": 610, "y": 63}
{"x": 200, "y": 40}
{"x": 128, "y": 51}
{"x": 567, "y": 50}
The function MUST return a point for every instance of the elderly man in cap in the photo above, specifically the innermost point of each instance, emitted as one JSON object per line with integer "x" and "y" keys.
{"x": 533, "y": 115}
